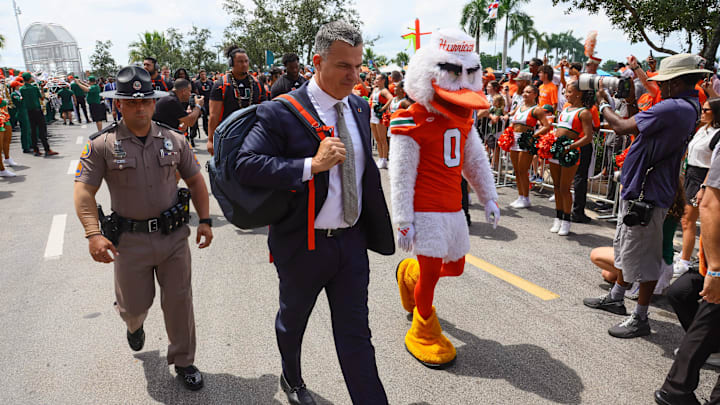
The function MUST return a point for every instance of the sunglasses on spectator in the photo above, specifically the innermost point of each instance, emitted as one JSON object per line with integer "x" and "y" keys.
{"x": 706, "y": 110}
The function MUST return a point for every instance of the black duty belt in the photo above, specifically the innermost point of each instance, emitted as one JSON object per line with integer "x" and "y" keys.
{"x": 146, "y": 226}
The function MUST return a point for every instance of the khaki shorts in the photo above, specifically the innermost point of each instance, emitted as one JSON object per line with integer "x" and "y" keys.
{"x": 638, "y": 249}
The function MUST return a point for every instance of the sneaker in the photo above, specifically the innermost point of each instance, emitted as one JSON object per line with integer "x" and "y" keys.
{"x": 10, "y": 162}
{"x": 606, "y": 303}
{"x": 580, "y": 219}
{"x": 633, "y": 326}
{"x": 552, "y": 198}
{"x": 516, "y": 203}
{"x": 524, "y": 203}
{"x": 71, "y": 123}
{"x": 379, "y": 163}
{"x": 7, "y": 173}
{"x": 564, "y": 228}
{"x": 50, "y": 153}
{"x": 679, "y": 268}
{"x": 556, "y": 225}
{"x": 634, "y": 292}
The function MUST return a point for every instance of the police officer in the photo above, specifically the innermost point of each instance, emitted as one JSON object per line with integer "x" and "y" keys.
{"x": 138, "y": 159}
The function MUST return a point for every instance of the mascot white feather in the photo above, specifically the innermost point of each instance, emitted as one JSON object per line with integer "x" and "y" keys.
{"x": 434, "y": 145}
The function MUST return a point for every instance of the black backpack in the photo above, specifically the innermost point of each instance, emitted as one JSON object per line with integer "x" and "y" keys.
{"x": 249, "y": 207}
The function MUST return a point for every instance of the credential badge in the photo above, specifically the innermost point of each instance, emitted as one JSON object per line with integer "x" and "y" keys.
{"x": 137, "y": 85}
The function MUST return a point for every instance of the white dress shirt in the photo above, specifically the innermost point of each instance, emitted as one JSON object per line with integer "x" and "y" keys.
{"x": 331, "y": 213}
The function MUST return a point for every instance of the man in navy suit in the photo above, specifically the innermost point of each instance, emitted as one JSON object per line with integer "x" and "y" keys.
{"x": 338, "y": 206}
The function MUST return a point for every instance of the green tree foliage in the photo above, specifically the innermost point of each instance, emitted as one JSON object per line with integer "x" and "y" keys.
{"x": 282, "y": 26}
{"x": 523, "y": 28}
{"x": 101, "y": 61}
{"x": 565, "y": 45}
{"x": 696, "y": 21}
{"x": 197, "y": 54}
{"x": 472, "y": 21}
{"x": 495, "y": 61}
{"x": 609, "y": 65}
{"x": 402, "y": 58}
{"x": 152, "y": 44}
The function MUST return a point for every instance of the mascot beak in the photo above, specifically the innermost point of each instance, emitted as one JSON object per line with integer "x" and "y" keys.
{"x": 463, "y": 98}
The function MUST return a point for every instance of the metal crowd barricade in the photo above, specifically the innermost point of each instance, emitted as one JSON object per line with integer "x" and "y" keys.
{"x": 602, "y": 187}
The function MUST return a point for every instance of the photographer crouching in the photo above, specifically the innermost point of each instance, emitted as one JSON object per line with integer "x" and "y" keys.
{"x": 649, "y": 179}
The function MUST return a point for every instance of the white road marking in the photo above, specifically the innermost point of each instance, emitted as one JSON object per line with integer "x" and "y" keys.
{"x": 73, "y": 166}
{"x": 54, "y": 247}
{"x": 83, "y": 126}
{"x": 79, "y": 140}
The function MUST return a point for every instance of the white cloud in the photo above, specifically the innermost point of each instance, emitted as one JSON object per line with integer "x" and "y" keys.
{"x": 88, "y": 21}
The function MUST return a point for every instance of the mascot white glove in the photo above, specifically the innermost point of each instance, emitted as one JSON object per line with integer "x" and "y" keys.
{"x": 492, "y": 212}
{"x": 406, "y": 236}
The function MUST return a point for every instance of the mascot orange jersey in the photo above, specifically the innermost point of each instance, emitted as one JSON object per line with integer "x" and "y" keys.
{"x": 441, "y": 140}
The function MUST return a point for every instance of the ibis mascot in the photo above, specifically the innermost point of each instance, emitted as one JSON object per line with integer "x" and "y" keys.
{"x": 435, "y": 145}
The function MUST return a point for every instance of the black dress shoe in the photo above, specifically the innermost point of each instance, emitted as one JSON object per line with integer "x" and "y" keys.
{"x": 580, "y": 219}
{"x": 191, "y": 377}
{"x": 136, "y": 340}
{"x": 296, "y": 395}
{"x": 662, "y": 397}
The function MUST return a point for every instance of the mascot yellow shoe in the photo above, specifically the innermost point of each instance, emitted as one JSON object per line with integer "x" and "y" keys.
{"x": 427, "y": 344}
{"x": 407, "y": 274}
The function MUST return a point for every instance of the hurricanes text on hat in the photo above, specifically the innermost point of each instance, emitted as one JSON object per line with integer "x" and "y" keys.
{"x": 679, "y": 65}
{"x": 133, "y": 82}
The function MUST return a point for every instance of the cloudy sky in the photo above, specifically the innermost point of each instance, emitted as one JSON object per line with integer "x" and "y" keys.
{"x": 121, "y": 22}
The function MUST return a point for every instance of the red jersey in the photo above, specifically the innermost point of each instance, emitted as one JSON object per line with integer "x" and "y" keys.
{"x": 442, "y": 142}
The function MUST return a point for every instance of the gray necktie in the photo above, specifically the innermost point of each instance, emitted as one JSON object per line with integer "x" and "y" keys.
{"x": 349, "y": 186}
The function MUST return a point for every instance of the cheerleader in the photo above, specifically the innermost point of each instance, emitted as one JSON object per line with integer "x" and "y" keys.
{"x": 380, "y": 101}
{"x": 525, "y": 118}
{"x": 576, "y": 123}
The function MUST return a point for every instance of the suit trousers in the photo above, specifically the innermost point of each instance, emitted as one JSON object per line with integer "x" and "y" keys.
{"x": 581, "y": 180}
{"x": 144, "y": 257}
{"x": 699, "y": 342}
{"x": 81, "y": 106}
{"x": 339, "y": 265}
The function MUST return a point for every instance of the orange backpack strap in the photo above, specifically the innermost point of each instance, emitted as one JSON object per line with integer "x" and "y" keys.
{"x": 319, "y": 131}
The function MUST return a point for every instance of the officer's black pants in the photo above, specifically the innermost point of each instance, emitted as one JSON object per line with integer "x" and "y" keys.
{"x": 80, "y": 102}
{"x": 205, "y": 121}
{"x": 581, "y": 180}
{"x": 38, "y": 128}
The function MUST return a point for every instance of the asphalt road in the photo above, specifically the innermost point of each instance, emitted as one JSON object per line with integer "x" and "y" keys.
{"x": 61, "y": 341}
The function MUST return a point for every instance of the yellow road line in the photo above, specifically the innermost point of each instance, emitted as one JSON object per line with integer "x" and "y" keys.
{"x": 510, "y": 278}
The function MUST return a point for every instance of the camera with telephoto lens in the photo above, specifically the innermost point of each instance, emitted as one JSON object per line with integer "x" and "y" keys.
{"x": 618, "y": 87}
{"x": 191, "y": 102}
{"x": 639, "y": 213}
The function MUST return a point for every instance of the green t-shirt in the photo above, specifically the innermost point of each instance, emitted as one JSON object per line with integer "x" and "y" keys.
{"x": 65, "y": 95}
{"x": 77, "y": 91}
{"x": 31, "y": 96}
{"x": 93, "y": 96}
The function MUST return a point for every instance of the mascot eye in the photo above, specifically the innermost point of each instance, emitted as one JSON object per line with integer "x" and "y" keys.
{"x": 451, "y": 67}
{"x": 473, "y": 70}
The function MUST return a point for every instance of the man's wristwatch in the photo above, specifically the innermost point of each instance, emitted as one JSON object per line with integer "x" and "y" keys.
{"x": 206, "y": 221}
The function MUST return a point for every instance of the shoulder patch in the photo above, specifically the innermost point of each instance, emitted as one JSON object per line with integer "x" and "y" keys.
{"x": 107, "y": 129}
{"x": 87, "y": 150}
{"x": 166, "y": 126}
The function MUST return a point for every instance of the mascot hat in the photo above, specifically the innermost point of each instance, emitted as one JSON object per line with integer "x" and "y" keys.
{"x": 447, "y": 71}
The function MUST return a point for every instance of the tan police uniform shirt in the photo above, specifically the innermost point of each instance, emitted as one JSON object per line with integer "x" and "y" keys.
{"x": 140, "y": 176}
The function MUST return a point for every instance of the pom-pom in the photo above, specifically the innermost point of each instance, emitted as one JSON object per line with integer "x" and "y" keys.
{"x": 526, "y": 141}
{"x": 565, "y": 158}
{"x": 507, "y": 139}
{"x": 544, "y": 144}
{"x": 620, "y": 159}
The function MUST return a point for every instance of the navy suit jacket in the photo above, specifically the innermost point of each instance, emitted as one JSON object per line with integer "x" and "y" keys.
{"x": 273, "y": 155}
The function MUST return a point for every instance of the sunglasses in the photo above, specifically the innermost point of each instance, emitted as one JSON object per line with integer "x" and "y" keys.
{"x": 706, "y": 110}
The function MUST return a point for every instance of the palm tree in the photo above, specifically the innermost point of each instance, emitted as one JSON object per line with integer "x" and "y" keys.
{"x": 541, "y": 39}
{"x": 369, "y": 55}
{"x": 509, "y": 10}
{"x": 402, "y": 58}
{"x": 153, "y": 44}
{"x": 522, "y": 28}
{"x": 472, "y": 20}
